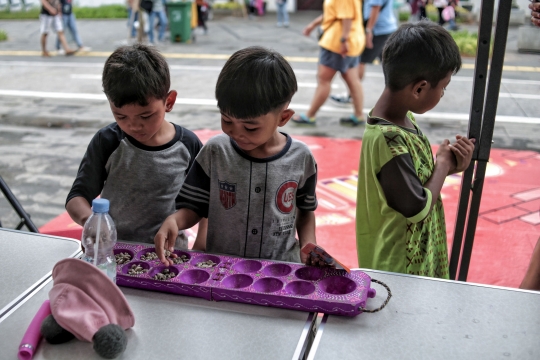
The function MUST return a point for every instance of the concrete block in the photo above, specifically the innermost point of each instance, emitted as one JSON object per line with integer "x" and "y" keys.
{"x": 529, "y": 39}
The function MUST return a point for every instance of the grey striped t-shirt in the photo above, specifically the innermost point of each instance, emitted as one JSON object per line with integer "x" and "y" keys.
{"x": 141, "y": 182}
{"x": 251, "y": 203}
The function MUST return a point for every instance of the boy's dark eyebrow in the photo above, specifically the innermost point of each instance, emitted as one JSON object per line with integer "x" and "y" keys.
{"x": 245, "y": 121}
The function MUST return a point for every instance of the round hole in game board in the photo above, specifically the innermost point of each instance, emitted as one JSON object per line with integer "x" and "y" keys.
{"x": 300, "y": 288}
{"x": 337, "y": 285}
{"x": 160, "y": 269}
{"x": 148, "y": 255}
{"x": 194, "y": 276}
{"x": 134, "y": 265}
{"x": 277, "y": 270}
{"x": 248, "y": 266}
{"x": 127, "y": 256}
{"x": 309, "y": 273}
{"x": 237, "y": 281}
{"x": 268, "y": 285}
{"x": 205, "y": 259}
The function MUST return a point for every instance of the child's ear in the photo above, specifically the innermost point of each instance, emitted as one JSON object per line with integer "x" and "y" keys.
{"x": 419, "y": 88}
{"x": 285, "y": 116}
{"x": 171, "y": 99}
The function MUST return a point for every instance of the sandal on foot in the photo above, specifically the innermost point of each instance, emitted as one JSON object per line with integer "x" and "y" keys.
{"x": 302, "y": 119}
{"x": 351, "y": 120}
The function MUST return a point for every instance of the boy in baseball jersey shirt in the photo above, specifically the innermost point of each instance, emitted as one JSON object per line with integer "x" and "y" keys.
{"x": 255, "y": 185}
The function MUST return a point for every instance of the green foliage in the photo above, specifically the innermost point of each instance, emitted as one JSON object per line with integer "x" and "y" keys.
{"x": 404, "y": 16}
{"x": 100, "y": 12}
{"x": 3, "y": 35}
{"x": 32, "y": 13}
{"x": 466, "y": 42}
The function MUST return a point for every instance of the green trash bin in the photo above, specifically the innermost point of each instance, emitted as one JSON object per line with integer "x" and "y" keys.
{"x": 179, "y": 20}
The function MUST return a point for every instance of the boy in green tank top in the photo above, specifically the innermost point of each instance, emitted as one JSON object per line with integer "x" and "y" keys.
{"x": 400, "y": 224}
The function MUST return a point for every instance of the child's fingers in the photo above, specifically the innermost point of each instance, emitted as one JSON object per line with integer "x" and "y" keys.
{"x": 159, "y": 242}
{"x": 457, "y": 151}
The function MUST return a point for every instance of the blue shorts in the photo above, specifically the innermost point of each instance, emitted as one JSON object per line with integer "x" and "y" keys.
{"x": 336, "y": 61}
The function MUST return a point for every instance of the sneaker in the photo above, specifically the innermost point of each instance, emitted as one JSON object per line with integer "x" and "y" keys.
{"x": 351, "y": 121}
{"x": 343, "y": 100}
{"x": 279, "y": 24}
{"x": 286, "y": 25}
{"x": 61, "y": 52}
{"x": 84, "y": 49}
{"x": 302, "y": 119}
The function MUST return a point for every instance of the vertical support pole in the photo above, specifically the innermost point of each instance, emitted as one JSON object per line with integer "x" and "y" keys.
{"x": 488, "y": 125}
{"x": 475, "y": 125}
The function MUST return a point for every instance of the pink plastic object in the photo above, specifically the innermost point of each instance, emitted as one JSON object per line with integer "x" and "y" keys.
{"x": 252, "y": 281}
{"x": 32, "y": 337}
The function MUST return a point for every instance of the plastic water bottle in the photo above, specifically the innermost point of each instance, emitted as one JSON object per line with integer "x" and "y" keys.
{"x": 99, "y": 237}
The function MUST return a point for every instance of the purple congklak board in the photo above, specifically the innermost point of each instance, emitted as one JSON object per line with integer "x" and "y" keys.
{"x": 260, "y": 282}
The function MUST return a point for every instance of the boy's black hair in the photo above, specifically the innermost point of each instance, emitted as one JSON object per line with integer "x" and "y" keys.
{"x": 134, "y": 75}
{"x": 254, "y": 82}
{"x": 420, "y": 51}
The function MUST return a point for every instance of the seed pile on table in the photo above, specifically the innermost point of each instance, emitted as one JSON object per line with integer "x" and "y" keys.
{"x": 122, "y": 258}
{"x": 149, "y": 256}
{"x": 137, "y": 269}
{"x": 165, "y": 274}
{"x": 206, "y": 264}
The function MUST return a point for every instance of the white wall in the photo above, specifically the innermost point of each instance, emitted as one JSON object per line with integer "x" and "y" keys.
{"x": 271, "y": 5}
{"x": 523, "y": 5}
{"x": 98, "y": 2}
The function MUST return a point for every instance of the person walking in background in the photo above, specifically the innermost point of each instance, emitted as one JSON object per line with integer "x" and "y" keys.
{"x": 449, "y": 15}
{"x": 440, "y": 5}
{"x": 202, "y": 14}
{"x": 282, "y": 14}
{"x": 51, "y": 17}
{"x": 340, "y": 45}
{"x": 158, "y": 10}
{"x": 380, "y": 22}
{"x": 70, "y": 23}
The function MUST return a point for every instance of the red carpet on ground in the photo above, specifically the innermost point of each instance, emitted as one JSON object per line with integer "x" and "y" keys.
{"x": 508, "y": 225}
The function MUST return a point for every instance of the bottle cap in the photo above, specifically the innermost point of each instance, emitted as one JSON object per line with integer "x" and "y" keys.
{"x": 100, "y": 205}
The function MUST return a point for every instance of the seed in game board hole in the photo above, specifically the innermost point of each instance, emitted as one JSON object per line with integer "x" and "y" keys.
{"x": 137, "y": 269}
{"x": 206, "y": 264}
{"x": 122, "y": 258}
{"x": 165, "y": 274}
{"x": 180, "y": 259}
{"x": 149, "y": 256}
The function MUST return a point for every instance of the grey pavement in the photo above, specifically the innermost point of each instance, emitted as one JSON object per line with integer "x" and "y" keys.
{"x": 50, "y": 108}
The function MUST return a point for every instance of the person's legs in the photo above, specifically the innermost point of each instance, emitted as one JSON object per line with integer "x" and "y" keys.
{"x": 45, "y": 22}
{"x": 324, "y": 83}
{"x": 72, "y": 25}
{"x": 285, "y": 15}
{"x": 441, "y": 20}
{"x": 65, "y": 22}
{"x": 280, "y": 14}
{"x": 356, "y": 92}
{"x": 162, "y": 25}
{"x": 151, "y": 19}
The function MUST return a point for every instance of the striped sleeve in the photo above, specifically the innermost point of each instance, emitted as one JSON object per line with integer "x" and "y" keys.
{"x": 195, "y": 192}
{"x": 306, "y": 199}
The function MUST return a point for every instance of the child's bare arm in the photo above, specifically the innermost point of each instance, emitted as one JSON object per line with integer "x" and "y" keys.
{"x": 200, "y": 241}
{"x": 312, "y": 25}
{"x": 305, "y": 227}
{"x": 168, "y": 232}
{"x": 79, "y": 209}
{"x": 444, "y": 164}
